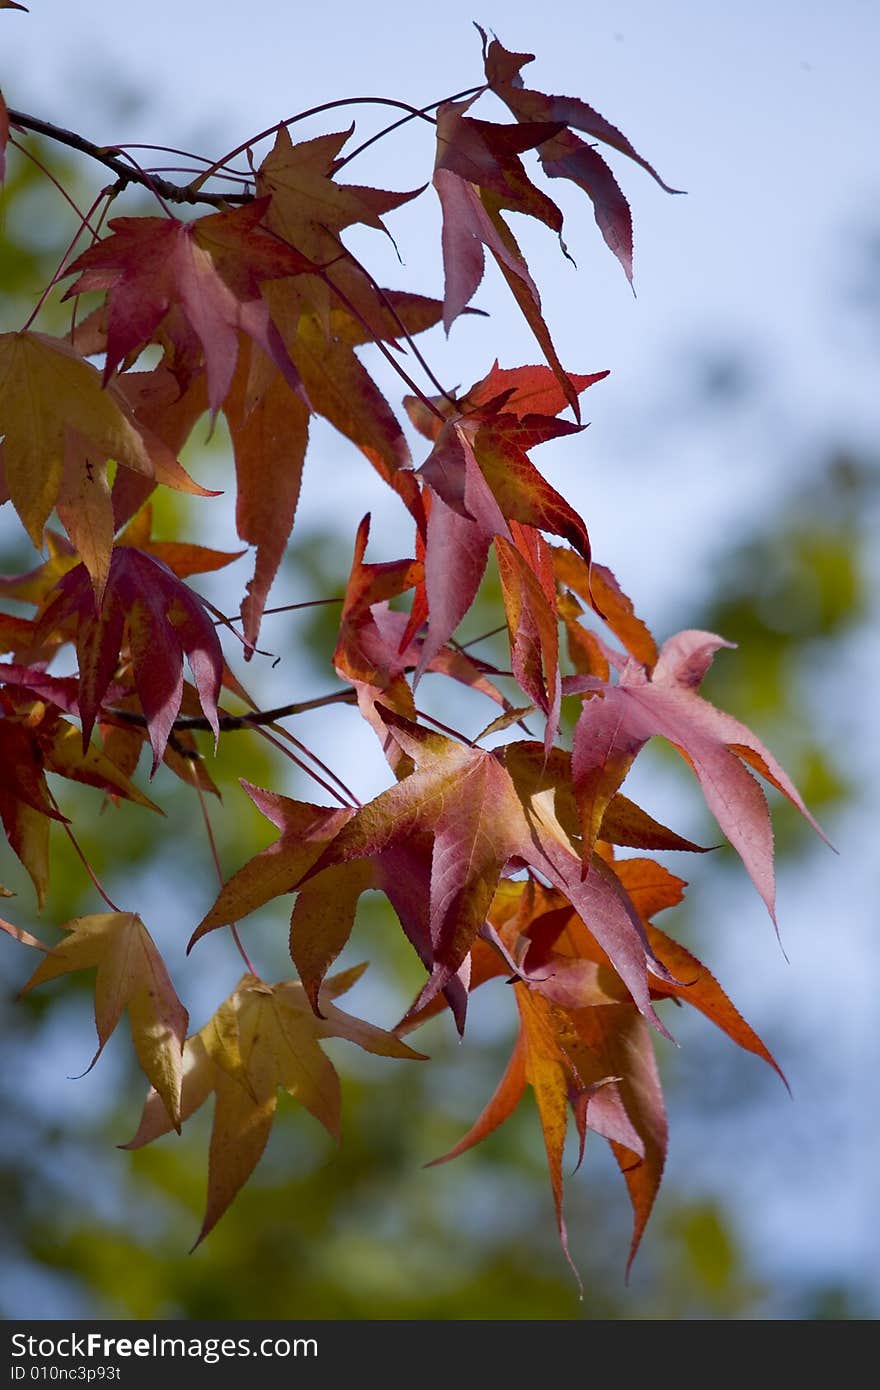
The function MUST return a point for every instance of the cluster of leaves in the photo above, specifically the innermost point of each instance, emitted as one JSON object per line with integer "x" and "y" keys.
{"x": 501, "y": 862}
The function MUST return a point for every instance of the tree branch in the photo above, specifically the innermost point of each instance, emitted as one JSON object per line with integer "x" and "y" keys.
{"x": 229, "y": 723}
{"x": 111, "y": 157}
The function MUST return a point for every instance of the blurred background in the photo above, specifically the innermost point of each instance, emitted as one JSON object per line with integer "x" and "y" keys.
{"x": 730, "y": 479}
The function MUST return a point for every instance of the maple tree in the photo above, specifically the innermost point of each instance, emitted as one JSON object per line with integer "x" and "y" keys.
{"x": 499, "y": 850}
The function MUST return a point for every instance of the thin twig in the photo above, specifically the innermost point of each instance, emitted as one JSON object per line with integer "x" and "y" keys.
{"x": 412, "y": 113}
{"x": 413, "y": 346}
{"x": 111, "y": 157}
{"x": 230, "y": 723}
{"x": 85, "y": 863}
{"x": 284, "y": 608}
{"x": 243, "y": 175}
{"x": 304, "y": 748}
{"x": 149, "y": 182}
{"x": 74, "y": 303}
{"x": 386, "y": 353}
{"x": 270, "y": 738}
{"x": 84, "y": 222}
{"x": 447, "y": 728}
{"x": 233, "y": 926}
{"x": 482, "y": 637}
{"x": 29, "y": 154}
{"x": 404, "y": 120}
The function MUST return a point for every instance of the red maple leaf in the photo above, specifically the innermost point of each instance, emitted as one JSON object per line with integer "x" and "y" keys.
{"x": 564, "y": 154}
{"x": 617, "y": 720}
{"x": 482, "y": 482}
{"x": 160, "y": 619}
{"x": 209, "y": 270}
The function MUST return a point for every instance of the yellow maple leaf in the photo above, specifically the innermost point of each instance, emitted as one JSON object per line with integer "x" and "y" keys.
{"x": 262, "y": 1037}
{"x": 59, "y": 428}
{"x": 131, "y": 975}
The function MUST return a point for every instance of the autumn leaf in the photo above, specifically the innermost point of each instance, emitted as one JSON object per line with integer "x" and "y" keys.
{"x": 526, "y": 391}
{"x": 464, "y": 798}
{"x": 269, "y": 427}
{"x": 564, "y": 155}
{"x": 18, "y": 933}
{"x": 210, "y": 269}
{"x": 34, "y": 740}
{"x": 602, "y": 1039}
{"x": 54, "y": 414}
{"x": 340, "y": 388}
{"x": 363, "y": 654}
{"x": 461, "y": 798}
{"x": 493, "y": 423}
{"x": 550, "y": 1056}
{"x": 183, "y": 558}
{"x": 261, "y": 1038}
{"x": 482, "y": 480}
{"x": 564, "y": 962}
{"x": 529, "y": 307}
{"x": 620, "y": 1043}
{"x": 395, "y": 314}
{"x": 131, "y": 975}
{"x": 168, "y": 401}
{"x": 484, "y": 810}
{"x": 323, "y": 319}
{"x": 35, "y": 683}
{"x": 478, "y": 812}
{"x": 625, "y": 823}
{"x": 617, "y": 720}
{"x": 597, "y": 586}
{"x": 580, "y": 1041}
{"x": 598, "y": 898}
{"x": 472, "y": 155}
{"x": 540, "y": 1061}
{"x": 25, "y": 807}
{"x": 310, "y": 208}
{"x": 161, "y": 619}
{"x": 529, "y": 603}
{"x": 306, "y": 831}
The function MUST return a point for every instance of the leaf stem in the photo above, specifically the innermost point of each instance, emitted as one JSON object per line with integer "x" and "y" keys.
{"x": 285, "y": 608}
{"x": 386, "y": 353}
{"x": 404, "y": 120}
{"x": 84, "y": 222}
{"x": 447, "y": 728}
{"x": 83, "y": 217}
{"x": 304, "y": 767}
{"x": 233, "y": 926}
{"x": 411, "y": 344}
{"x": 285, "y": 733}
{"x": 85, "y": 863}
{"x": 412, "y": 113}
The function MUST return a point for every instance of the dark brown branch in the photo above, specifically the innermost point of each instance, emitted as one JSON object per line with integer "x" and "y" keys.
{"x": 112, "y": 158}
{"x": 229, "y": 723}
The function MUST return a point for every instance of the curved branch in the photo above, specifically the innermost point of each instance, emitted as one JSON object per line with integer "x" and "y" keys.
{"x": 112, "y": 157}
